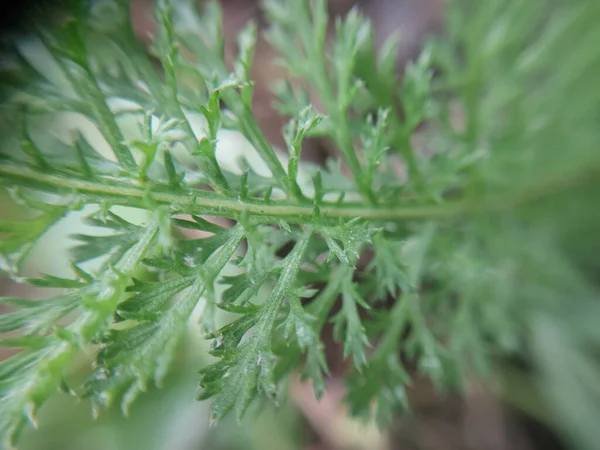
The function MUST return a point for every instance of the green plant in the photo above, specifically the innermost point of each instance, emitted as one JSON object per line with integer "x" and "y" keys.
{"x": 485, "y": 237}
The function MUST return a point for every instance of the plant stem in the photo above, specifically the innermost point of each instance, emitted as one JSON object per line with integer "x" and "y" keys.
{"x": 129, "y": 193}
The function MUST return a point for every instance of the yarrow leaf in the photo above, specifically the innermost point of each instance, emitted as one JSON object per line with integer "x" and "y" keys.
{"x": 442, "y": 239}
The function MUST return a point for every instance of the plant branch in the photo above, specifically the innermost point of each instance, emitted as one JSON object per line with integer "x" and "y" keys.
{"x": 128, "y": 193}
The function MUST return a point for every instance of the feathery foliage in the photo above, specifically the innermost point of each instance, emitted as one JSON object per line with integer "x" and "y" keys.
{"x": 476, "y": 199}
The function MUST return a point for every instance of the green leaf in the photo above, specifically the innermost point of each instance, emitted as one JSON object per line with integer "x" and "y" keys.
{"x": 50, "y": 281}
{"x": 416, "y": 84}
{"x": 374, "y": 142}
{"x": 27, "y": 380}
{"x": 352, "y": 33}
{"x": 383, "y": 381}
{"x": 133, "y": 357}
{"x": 17, "y": 237}
{"x": 36, "y": 316}
{"x": 348, "y": 327}
{"x": 300, "y": 325}
{"x": 199, "y": 224}
{"x": 390, "y": 270}
{"x": 151, "y": 298}
{"x": 295, "y": 133}
{"x": 353, "y": 235}
{"x": 384, "y": 377}
{"x": 246, "y": 46}
{"x": 242, "y": 288}
{"x": 91, "y": 247}
{"x": 248, "y": 368}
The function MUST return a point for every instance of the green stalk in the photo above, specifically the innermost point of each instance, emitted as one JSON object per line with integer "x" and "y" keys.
{"x": 202, "y": 202}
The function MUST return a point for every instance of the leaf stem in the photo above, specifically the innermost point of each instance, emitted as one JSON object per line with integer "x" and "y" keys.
{"x": 129, "y": 193}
